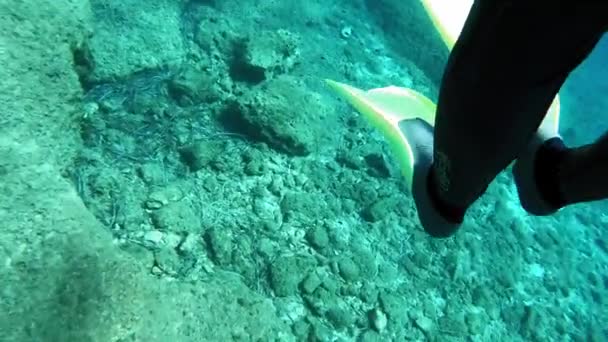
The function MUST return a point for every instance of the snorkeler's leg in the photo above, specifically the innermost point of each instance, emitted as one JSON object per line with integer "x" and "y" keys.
{"x": 572, "y": 175}
{"x": 501, "y": 78}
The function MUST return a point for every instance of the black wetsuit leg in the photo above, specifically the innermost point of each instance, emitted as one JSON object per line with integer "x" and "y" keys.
{"x": 509, "y": 62}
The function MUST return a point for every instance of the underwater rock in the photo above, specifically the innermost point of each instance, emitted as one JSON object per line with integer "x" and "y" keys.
{"x": 202, "y": 153}
{"x": 301, "y": 329}
{"x": 369, "y": 293}
{"x": 194, "y": 85}
{"x": 380, "y": 209}
{"x": 318, "y": 237}
{"x": 160, "y": 198}
{"x": 176, "y": 217}
{"x": 393, "y": 305}
{"x": 365, "y": 260}
{"x": 168, "y": 262}
{"x": 321, "y": 332}
{"x": 132, "y": 36}
{"x": 287, "y": 272}
{"x": 340, "y": 316}
{"x": 424, "y": 324}
{"x": 378, "y": 319}
{"x": 281, "y": 112}
{"x": 348, "y": 269}
{"x": 476, "y": 322}
{"x": 153, "y": 239}
{"x": 266, "y": 54}
{"x": 370, "y": 336}
{"x": 151, "y": 173}
{"x": 311, "y": 282}
{"x": 220, "y": 244}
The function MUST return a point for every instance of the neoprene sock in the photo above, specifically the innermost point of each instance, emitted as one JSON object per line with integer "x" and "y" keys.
{"x": 548, "y": 165}
{"x": 581, "y": 172}
{"x": 451, "y": 213}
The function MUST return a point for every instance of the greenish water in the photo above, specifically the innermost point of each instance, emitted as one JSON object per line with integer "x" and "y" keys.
{"x": 177, "y": 170}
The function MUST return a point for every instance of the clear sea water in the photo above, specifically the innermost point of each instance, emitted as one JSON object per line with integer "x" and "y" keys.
{"x": 177, "y": 170}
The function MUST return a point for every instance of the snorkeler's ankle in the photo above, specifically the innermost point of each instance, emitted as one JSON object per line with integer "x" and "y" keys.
{"x": 450, "y": 212}
{"x": 548, "y": 171}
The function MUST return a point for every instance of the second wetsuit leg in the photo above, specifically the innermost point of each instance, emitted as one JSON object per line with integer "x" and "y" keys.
{"x": 573, "y": 175}
{"x": 502, "y": 75}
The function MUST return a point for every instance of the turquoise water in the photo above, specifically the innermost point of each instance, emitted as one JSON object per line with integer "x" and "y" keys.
{"x": 584, "y": 98}
{"x": 177, "y": 170}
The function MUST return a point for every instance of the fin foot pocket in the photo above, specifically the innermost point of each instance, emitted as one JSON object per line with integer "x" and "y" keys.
{"x": 536, "y": 162}
{"x": 419, "y": 134}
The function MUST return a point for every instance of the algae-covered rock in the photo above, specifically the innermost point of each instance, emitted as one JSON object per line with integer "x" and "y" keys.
{"x": 380, "y": 209}
{"x": 219, "y": 242}
{"x": 370, "y": 336}
{"x": 193, "y": 85}
{"x": 287, "y": 272}
{"x": 282, "y": 112}
{"x": 394, "y": 306}
{"x": 132, "y": 36}
{"x": 311, "y": 282}
{"x": 265, "y": 54}
{"x": 349, "y": 270}
{"x": 318, "y": 237}
{"x": 177, "y": 217}
{"x": 340, "y": 315}
{"x": 202, "y": 153}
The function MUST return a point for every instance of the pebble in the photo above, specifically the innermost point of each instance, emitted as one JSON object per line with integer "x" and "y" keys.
{"x": 424, "y": 323}
{"x": 379, "y": 320}
{"x": 161, "y": 198}
{"x": 189, "y": 243}
{"x": 346, "y": 32}
{"x": 311, "y": 282}
{"x": 173, "y": 240}
{"x": 153, "y": 238}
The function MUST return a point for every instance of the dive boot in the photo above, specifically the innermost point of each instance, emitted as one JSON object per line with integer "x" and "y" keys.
{"x": 526, "y": 169}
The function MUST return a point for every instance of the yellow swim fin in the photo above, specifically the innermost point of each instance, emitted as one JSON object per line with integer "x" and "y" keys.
{"x": 448, "y": 17}
{"x": 384, "y": 108}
